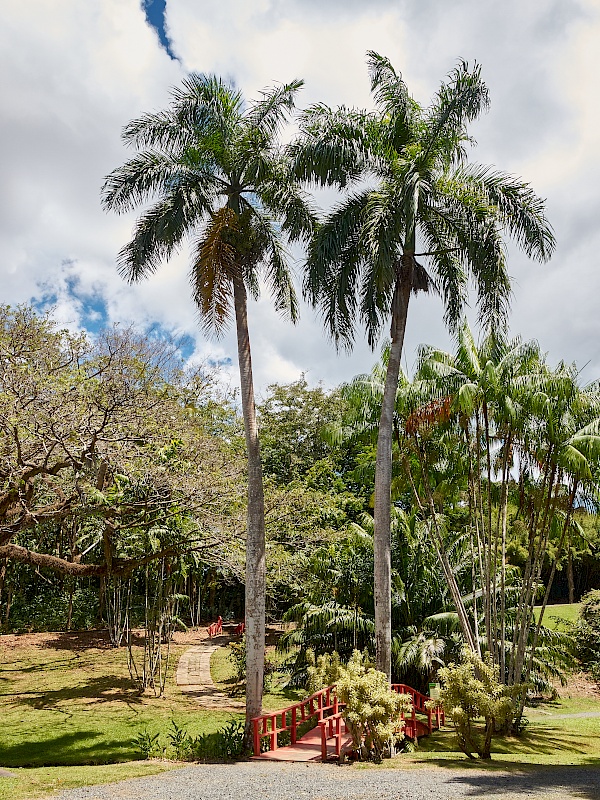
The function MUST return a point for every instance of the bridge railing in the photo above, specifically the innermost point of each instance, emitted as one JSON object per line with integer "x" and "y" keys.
{"x": 332, "y": 727}
{"x": 419, "y": 702}
{"x": 268, "y": 725}
{"x": 329, "y": 712}
{"x": 216, "y": 628}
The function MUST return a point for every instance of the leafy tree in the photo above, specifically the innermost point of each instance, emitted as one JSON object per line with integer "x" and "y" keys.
{"x": 293, "y": 420}
{"x": 92, "y": 483}
{"x": 213, "y": 168}
{"x": 410, "y": 195}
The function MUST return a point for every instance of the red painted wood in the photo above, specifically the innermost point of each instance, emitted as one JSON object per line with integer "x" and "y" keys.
{"x": 215, "y": 628}
{"x": 315, "y": 705}
{"x": 317, "y": 744}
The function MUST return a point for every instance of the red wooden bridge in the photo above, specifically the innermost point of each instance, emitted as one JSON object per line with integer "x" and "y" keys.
{"x": 329, "y": 738}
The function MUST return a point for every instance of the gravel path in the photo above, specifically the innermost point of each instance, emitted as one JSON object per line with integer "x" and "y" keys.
{"x": 278, "y": 781}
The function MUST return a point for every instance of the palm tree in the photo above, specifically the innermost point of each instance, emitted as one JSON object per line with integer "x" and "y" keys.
{"x": 409, "y": 194}
{"x": 490, "y": 387}
{"x": 516, "y": 417}
{"x": 213, "y": 170}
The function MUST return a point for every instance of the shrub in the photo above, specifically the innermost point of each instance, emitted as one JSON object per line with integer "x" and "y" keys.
{"x": 224, "y": 745}
{"x": 472, "y": 690}
{"x": 322, "y": 672}
{"x": 181, "y": 743}
{"x": 237, "y": 656}
{"x": 372, "y": 710}
{"x": 148, "y": 744}
{"x": 49, "y": 611}
{"x": 587, "y": 633}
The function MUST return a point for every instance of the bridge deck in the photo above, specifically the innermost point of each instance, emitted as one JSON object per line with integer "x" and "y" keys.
{"x": 308, "y": 748}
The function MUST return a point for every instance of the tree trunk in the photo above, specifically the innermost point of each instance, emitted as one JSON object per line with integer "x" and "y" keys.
{"x": 383, "y": 480}
{"x": 255, "y": 541}
{"x": 3, "y": 563}
{"x": 570, "y": 576}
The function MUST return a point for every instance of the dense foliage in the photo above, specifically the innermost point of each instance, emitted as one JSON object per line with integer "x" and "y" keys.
{"x": 471, "y": 691}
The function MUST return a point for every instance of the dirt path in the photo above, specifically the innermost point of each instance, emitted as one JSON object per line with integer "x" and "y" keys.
{"x": 193, "y": 675}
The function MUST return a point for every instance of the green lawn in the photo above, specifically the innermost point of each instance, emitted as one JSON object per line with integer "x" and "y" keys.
{"x": 69, "y": 716}
{"x": 67, "y": 706}
{"x": 562, "y": 616}
{"x": 41, "y": 781}
{"x": 71, "y": 702}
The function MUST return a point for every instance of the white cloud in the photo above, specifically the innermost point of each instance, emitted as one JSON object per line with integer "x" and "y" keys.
{"x": 74, "y": 73}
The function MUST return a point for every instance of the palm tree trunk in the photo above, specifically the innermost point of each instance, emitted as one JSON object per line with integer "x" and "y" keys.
{"x": 570, "y": 576}
{"x": 383, "y": 481}
{"x": 255, "y": 539}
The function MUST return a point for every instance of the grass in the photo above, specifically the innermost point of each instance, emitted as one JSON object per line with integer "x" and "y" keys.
{"x": 70, "y": 702}
{"x": 29, "y": 783}
{"x": 560, "y": 616}
{"x": 276, "y": 695}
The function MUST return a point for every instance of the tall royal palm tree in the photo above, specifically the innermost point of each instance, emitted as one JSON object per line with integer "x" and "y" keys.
{"x": 213, "y": 171}
{"x": 410, "y": 200}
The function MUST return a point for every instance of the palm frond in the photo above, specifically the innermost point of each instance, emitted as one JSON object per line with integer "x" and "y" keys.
{"x": 153, "y": 173}
{"x": 333, "y": 148}
{"x": 457, "y": 102}
{"x": 158, "y": 233}
{"x": 213, "y": 271}
{"x": 520, "y": 211}
{"x": 268, "y": 114}
{"x": 391, "y": 94}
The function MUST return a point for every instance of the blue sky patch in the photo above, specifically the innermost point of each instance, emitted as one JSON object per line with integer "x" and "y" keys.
{"x": 155, "y": 17}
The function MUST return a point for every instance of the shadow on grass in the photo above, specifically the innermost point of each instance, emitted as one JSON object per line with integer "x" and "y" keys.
{"x": 286, "y": 693}
{"x": 68, "y": 749}
{"x": 542, "y": 740}
{"x": 103, "y": 689}
{"x": 84, "y": 640}
{"x": 566, "y": 781}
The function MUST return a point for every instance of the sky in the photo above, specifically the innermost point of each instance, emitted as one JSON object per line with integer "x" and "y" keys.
{"x": 75, "y": 72}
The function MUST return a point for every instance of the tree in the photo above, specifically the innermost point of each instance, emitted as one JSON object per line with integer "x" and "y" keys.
{"x": 427, "y": 203}
{"x": 489, "y": 386}
{"x": 293, "y": 419}
{"x": 518, "y": 431}
{"x": 213, "y": 168}
{"x": 93, "y": 483}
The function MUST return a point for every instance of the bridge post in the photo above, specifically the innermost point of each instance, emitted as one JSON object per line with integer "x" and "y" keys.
{"x": 256, "y": 736}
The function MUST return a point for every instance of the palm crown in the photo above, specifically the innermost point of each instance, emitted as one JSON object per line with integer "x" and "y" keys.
{"x": 214, "y": 171}
{"x": 408, "y": 185}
